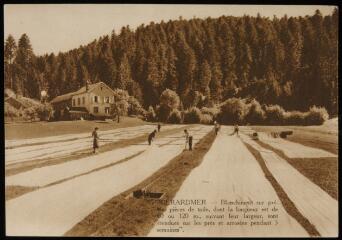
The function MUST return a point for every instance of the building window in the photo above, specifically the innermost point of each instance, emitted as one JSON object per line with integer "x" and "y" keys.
{"x": 83, "y": 100}
{"x": 107, "y": 110}
{"x": 106, "y": 99}
{"x": 96, "y": 99}
{"x": 96, "y": 109}
{"x": 78, "y": 101}
{"x": 73, "y": 102}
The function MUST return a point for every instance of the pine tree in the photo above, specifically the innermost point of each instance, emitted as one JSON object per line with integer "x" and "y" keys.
{"x": 152, "y": 83}
{"x": 23, "y": 59}
{"x": 273, "y": 88}
{"x": 332, "y": 27}
{"x": 205, "y": 78}
{"x": 216, "y": 83}
{"x": 82, "y": 75}
{"x": 106, "y": 67}
{"x": 171, "y": 77}
{"x": 186, "y": 66}
{"x": 9, "y": 54}
{"x": 124, "y": 74}
{"x": 229, "y": 65}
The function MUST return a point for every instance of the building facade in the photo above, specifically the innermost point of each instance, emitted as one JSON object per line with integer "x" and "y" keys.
{"x": 92, "y": 101}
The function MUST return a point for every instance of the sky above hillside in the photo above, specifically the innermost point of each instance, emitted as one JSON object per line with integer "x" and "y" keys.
{"x": 62, "y": 27}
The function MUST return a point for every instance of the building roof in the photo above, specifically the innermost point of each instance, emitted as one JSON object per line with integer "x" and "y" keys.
{"x": 62, "y": 98}
{"x": 68, "y": 96}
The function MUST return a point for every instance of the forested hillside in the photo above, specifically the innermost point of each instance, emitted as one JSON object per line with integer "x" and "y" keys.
{"x": 287, "y": 61}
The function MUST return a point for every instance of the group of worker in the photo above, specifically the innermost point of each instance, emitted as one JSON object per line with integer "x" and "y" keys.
{"x": 217, "y": 128}
{"x": 188, "y": 137}
{"x": 152, "y": 135}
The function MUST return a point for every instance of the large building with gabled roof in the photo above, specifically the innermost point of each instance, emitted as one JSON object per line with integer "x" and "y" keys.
{"x": 90, "y": 101}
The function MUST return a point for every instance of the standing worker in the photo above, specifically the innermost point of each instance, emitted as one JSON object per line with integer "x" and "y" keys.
{"x": 95, "y": 140}
{"x": 190, "y": 143}
{"x": 159, "y": 126}
{"x": 151, "y": 136}
{"x": 188, "y": 139}
{"x": 236, "y": 130}
{"x": 217, "y": 127}
{"x": 186, "y": 134}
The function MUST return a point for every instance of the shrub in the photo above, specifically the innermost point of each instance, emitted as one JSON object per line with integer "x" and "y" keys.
{"x": 274, "y": 115}
{"x": 316, "y": 116}
{"x": 294, "y": 118}
{"x": 193, "y": 99}
{"x": 213, "y": 111}
{"x": 206, "y": 119}
{"x": 44, "y": 112}
{"x": 142, "y": 114}
{"x": 120, "y": 105}
{"x": 9, "y": 93}
{"x": 255, "y": 115}
{"x": 175, "y": 117}
{"x": 134, "y": 107}
{"x": 233, "y": 111}
{"x": 193, "y": 115}
{"x": 29, "y": 102}
{"x": 163, "y": 113}
{"x": 150, "y": 115}
{"x": 30, "y": 113}
{"x": 169, "y": 100}
{"x": 10, "y": 111}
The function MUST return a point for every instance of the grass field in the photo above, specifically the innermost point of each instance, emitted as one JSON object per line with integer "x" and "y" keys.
{"x": 15, "y": 191}
{"x": 317, "y": 137}
{"x": 116, "y": 215}
{"x": 286, "y": 201}
{"x": 46, "y": 129}
{"x": 135, "y": 217}
{"x": 321, "y": 171}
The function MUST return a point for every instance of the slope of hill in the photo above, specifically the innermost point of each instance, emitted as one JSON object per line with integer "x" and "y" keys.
{"x": 20, "y": 108}
{"x": 281, "y": 61}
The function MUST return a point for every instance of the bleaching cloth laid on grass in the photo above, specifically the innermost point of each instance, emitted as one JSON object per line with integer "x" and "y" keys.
{"x": 229, "y": 172}
{"x": 46, "y": 175}
{"x": 58, "y": 149}
{"x": 294, "y": 150}
{"x": 53, "y": 210}
{"x": 313, "y": 202}
{"x": 50, "y": 174}
{"x": 65, "y": 137}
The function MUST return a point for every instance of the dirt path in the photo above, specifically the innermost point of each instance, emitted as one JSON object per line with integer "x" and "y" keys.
{"x": 54, "y": 210}
{"x": 230, "y": 172}
{"x": 313, "y": 202}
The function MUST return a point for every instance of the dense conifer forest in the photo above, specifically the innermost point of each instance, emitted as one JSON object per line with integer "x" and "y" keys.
{"x": 289, "y": 61}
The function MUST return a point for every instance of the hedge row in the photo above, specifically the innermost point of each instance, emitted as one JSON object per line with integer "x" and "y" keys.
{"x": 241, "y": 111}
{"x": 43, "y": 112}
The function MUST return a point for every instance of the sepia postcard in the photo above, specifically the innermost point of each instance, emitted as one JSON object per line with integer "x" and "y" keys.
{"x": 166, "y": 120}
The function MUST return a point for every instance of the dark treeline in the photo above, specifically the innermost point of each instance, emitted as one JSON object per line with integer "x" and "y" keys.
{"x": 287, "y": 61}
